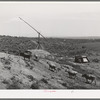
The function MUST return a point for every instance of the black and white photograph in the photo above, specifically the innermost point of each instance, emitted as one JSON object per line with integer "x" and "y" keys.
{"x": 49, "y": 45}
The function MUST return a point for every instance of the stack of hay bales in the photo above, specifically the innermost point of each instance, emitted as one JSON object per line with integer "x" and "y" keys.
{"x": 41, "y": 54}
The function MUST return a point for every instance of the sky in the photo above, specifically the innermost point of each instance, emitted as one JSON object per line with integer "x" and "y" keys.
{"x": 52, "y": 19}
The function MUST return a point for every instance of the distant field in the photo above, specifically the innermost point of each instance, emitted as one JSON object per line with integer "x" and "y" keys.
{"x": 95, "y": 46}
{"x": 59, "y": 46}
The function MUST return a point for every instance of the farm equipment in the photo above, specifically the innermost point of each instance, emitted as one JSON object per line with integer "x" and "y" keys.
{"x": 39, "y": 46}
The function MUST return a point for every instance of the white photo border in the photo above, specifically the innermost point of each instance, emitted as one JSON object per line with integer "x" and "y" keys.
{"x": 51, "y": 94}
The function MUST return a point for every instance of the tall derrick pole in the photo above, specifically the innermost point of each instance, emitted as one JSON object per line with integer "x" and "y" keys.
{"x": 39, "y": 34}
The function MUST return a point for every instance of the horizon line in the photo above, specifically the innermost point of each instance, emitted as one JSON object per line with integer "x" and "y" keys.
{"x": 82, "y": 37}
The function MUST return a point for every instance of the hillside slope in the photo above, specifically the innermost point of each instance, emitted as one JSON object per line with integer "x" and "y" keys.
{"x": 17, "y": 73}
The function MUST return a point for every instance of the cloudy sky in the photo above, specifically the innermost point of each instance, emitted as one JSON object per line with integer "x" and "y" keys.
{"x": 52, "y": 19}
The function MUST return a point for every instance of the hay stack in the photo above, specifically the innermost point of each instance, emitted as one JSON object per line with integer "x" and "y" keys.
{"x": 41, "y": 53}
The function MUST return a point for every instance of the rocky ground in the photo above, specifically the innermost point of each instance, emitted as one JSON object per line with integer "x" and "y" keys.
{"x": 17, "y": 73}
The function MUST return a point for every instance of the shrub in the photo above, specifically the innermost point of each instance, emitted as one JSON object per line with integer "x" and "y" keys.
{"x": 15, "y": 84}
{"x": 96, "y": 60}
{"x": 5, "y": 61}
{"x": 30, "y": 77}
{"x": 5, "y": 81}
{"x": 34, "y": 85}
{"x": 29, "y": 65}
{"x": 83, "y": 47}
{"x": 44, "y": 80}
{"x": 7, "y": 67}
{"x": 64, "y": 84}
